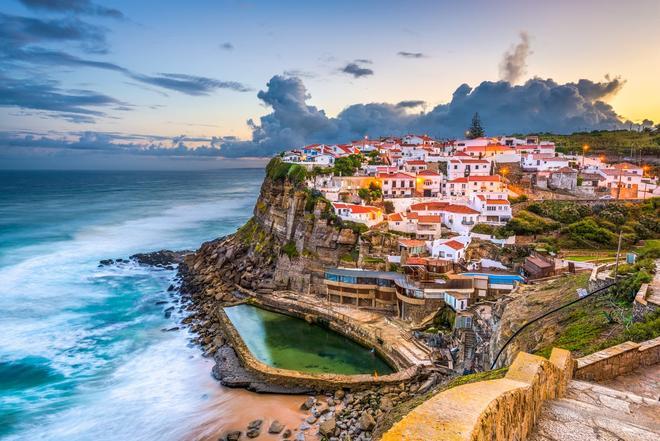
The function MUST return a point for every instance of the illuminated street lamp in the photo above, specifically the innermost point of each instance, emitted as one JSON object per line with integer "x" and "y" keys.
{"x": 584, "y": 152}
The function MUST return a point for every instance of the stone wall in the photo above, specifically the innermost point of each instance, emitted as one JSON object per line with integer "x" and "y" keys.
{"x": 617, "y": 360}
{"x": 504, "y": 409}
{"x": 313, "y": 381}
{"x": 641, "y": 305}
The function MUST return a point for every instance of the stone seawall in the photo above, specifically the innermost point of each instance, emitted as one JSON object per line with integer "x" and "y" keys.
{"x": 312, "y": 381}
{"x": 617, "y": 360}
{"x": 504, "y": 409}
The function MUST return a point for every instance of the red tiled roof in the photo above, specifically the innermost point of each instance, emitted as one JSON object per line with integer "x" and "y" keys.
{"x": 428, "y": 173}
{"x": 415, "y": 261}
{"x": 497, "y": 202}
{"x": 395, "y": 217}
{"x": 416, "y": 162}
{"x": 429, "y": 219}
{"x": 426, "y": 206}
{"x": 412, "y": 243}
{"x": 454, "y": 244}
{"x": 397, "y": 175}
{"x": 357, "y": 209}
{"x": 459, "y": 209}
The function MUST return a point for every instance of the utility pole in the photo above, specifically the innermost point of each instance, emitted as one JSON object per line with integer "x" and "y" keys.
{"x": 618, "y": 251}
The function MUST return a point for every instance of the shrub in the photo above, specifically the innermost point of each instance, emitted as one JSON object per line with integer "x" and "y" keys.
{"x": 526, "y": 222}
{"x": 389, "y": 207}
{"x": 518, "y": 199}
{"x": 290, "y": 249}
{"x": 297, "y": 174}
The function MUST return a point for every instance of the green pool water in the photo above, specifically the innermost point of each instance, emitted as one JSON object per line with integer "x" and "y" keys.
{"x": 291, "y": 343}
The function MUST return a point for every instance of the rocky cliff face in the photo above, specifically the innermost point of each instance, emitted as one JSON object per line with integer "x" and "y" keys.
{"x": 287, "y": 243}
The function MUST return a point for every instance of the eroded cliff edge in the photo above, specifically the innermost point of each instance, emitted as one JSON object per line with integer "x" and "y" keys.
{"x": 290, "y": 238}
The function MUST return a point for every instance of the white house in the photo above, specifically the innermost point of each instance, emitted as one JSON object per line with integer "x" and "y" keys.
{"x": 492, "y": 211}
{"x": 397, "y": 184}
{"x": 458, "y": 167}
{"x": 415, "y": 165}
{"x": 459, "y": 218}
{"x": 543, "y": 162}
{"x": 423, "y": 226}
{"x": 472, "y": 185}
{"x": 364, "y": 214}
{"x": 450, "y": 249}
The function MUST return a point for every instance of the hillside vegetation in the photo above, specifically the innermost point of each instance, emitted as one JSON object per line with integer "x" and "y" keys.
{"x": 568, "y": 225}
{"x": 610, "y": 142}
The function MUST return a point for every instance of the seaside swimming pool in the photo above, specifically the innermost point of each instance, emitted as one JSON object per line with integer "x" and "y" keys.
{"x": 499, "y": 279}
{"x": 291, "y": 343}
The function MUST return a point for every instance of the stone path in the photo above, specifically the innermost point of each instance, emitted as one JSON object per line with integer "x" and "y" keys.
{"x": 644, "y": 382}
{"x": 595, "y": 412}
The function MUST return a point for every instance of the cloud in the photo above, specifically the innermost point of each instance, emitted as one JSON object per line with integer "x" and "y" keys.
{"x": 72, "y": 6}
{"x": 405, "y": 54}
{"x": 189, "y": 84}
{"x": 227, "y": 46}
{"x": 356, "y": 70}
{"x": 514, "y": 63}
{"x": 79, "y": 106}
{"x": 16, "y": 31}
{"x": 408, "y": 104}
{"x": 539, "y": 105}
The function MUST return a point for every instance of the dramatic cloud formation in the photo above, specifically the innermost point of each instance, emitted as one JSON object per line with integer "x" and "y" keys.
{"x": 514, "y": 63}
{"x": 405, "y": 54}
{"x": 356, "y": 70}
{"x": 536, "y": 106}
{"x": 72, "y": 6}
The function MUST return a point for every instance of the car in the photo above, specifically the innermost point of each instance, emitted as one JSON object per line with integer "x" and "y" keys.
{"x": 607, "y": 196}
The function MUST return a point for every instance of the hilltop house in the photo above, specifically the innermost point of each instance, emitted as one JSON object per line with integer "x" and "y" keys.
{"x": 364, "y": 214}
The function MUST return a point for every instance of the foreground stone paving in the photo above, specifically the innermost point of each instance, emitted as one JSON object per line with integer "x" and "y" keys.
{"x": 594, "y": 412}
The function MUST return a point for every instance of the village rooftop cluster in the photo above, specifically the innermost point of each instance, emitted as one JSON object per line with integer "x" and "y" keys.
{"x": 431, "y": 194}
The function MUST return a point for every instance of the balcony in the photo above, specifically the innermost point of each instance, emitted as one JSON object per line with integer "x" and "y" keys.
{"x": 467, "y": 222}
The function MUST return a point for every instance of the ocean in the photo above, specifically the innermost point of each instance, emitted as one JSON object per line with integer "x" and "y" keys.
{"x": 83, "y": 351}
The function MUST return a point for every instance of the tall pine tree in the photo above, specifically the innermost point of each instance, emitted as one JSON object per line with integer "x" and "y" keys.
{"x": 475, "y": 130}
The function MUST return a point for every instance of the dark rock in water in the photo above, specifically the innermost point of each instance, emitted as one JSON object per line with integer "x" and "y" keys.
{"x": 254, "y": 428}
{"x": 275, "y": 427}
{"x": 106, "y": 262}
{"x": 233, "y": 436}
{"x": 162, "y": 302}
{"x": 170, "y": 288}
{"x": 176, "y": 328}
{"x": 168, "y": 314}
{"x": 286, "y": 434}
{"x": 308, "y": 404}
{"x": 255, "y": 424}
{"x": 162, "y": 259}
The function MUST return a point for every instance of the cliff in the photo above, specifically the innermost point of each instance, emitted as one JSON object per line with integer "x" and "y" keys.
{"x": 290, "y": 238}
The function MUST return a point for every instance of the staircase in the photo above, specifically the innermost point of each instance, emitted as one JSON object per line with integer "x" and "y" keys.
{"x": 594, "y": 412}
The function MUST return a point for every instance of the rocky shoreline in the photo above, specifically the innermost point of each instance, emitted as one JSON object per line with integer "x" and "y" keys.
{"x": 337, "y": 415}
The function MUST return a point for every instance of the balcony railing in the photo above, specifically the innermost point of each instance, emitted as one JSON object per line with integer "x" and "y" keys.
{"x": 467, "y": 222}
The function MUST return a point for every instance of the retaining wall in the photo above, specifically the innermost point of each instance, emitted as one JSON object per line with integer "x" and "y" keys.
{"x": 504, "y": 409}
{"x": 617, "y": 360}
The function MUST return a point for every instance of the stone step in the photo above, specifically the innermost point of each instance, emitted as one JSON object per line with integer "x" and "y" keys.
{"x": 593, "y": 412}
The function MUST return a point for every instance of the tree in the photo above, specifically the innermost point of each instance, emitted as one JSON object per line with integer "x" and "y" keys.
{"x": 475, "y": 130}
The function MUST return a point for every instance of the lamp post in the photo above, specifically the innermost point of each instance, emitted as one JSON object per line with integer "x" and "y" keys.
{"x": 584, "y": 152}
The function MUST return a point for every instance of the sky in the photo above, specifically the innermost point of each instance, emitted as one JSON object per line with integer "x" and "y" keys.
{"x": 203, "y": 84}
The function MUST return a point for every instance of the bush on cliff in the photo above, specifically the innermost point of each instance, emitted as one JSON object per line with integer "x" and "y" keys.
{"x": 526, "y": 222}
{"x": 290, "y": 249}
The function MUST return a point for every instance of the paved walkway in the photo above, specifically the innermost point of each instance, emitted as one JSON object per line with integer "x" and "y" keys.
{"x": 644, "y": 382}
{"x": 595, "y": 412}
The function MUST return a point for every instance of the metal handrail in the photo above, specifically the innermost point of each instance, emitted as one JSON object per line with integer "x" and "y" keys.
{"x": 542, "y": 316}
